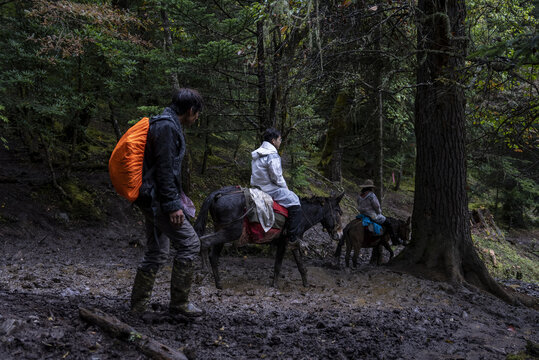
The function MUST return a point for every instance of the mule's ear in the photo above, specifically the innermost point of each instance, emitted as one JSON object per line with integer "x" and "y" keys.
{"x": 339, "y": 197}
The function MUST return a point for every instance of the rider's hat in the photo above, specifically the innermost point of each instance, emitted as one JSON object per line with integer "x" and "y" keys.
{"x": 368, "y": 184}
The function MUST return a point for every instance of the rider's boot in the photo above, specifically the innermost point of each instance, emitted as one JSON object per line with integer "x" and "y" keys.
{"x": 142, "y": 290}
{"x": 295, "y": 217}
{"x": 180, "y": 286}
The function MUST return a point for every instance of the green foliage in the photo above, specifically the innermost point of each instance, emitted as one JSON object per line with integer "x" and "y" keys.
{"x": 503, "y": 109}
{"x": 71, "y": 67}
{"x": 502, "y": 184}
{"x": 82, "y": 204}
{"x": 299, "y": 178}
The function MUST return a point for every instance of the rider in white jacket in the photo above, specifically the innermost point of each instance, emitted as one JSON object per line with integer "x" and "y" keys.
{"x": 267, "y": 175}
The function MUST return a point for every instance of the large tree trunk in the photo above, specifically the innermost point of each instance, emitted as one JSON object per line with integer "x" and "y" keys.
{"x": 441, "y": 241}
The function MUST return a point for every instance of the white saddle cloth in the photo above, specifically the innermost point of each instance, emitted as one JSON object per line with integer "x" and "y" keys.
{"x": 264, "y": 208}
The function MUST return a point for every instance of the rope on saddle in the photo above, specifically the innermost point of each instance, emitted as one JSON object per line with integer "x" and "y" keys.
{"x": 247, "y": 212}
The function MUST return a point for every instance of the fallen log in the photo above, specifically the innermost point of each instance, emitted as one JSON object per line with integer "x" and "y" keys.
{"x": 148, "y": 346}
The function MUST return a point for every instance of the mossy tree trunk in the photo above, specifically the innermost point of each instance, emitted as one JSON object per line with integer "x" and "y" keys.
{"x": 441, "y": 240}
{"x": 331, "y": 159}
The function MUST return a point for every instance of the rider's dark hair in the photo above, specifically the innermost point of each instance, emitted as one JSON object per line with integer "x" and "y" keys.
{"x": 185, "y": 99}
{"x": 271, "y": 134}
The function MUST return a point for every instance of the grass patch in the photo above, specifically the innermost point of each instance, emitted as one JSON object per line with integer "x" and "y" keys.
{"x": 505, "y": 261}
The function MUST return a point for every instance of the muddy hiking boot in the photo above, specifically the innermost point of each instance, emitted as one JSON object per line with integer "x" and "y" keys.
{"x": 180, "y": 286}
{"x": 142, "y": 290}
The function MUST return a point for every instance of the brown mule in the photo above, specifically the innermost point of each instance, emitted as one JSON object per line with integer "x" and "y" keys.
{"x": 356, "y": 237}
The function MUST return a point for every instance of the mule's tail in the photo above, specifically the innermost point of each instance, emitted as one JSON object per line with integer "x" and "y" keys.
{"x": 202, "y": 219}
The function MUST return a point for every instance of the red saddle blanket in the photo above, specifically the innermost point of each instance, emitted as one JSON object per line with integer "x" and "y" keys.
{"x": 253, "y": 233}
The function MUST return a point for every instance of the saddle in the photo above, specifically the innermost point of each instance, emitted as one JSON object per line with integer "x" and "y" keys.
{"x": 369, "y": 225}
{"x": 253, "y": 231}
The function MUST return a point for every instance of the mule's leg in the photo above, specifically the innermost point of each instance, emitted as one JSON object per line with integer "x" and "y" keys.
{"x": 301, "y": 268}
{"x": 347, "y": 255}
{"x": 388, "y": 248}
{"x": 376, "y": 254}
{"x": 357, "y": 249}
{"x": 204, "y": 256}
{"x": 339, "y": 247}
{"x": 281, "y": 248}
{"x": 214, "y": 260}
{"x": 337, "y": 255}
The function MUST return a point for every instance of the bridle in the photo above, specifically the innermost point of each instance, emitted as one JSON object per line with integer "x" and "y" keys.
{"x": 333, "y": 231}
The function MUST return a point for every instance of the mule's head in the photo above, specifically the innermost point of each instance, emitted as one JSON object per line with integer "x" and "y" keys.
{"x": 331, "y": 222}
{"x": 404, "y": 231}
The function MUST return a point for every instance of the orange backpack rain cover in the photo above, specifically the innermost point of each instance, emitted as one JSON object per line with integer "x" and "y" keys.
{"x": 125, "y": 164}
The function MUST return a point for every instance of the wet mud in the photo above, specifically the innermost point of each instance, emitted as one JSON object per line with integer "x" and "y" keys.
{"x": 365, "y": 313}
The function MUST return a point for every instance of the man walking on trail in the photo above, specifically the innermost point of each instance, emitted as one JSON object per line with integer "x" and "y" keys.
{"x": 267, "y": 175}
{"x": 163, "y": 203}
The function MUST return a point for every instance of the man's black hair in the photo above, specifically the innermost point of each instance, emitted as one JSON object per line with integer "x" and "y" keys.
{"x": 185, "y": 99}
{"x": 271, "y": 134}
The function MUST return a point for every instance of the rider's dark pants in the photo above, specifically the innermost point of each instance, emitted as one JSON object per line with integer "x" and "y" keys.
{"x": 295, "y": 217}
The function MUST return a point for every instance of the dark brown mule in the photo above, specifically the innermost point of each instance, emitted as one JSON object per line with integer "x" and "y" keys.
{"x": 356, "y": 237}
{"x": 227, "y": 208}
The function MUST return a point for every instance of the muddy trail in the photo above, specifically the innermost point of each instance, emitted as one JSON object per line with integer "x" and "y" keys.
{"x": 51, "y": 265}
{"x": 365, "y": 313}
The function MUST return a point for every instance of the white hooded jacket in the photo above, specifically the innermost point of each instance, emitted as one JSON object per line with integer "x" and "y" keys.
{"x": 267, "y": 175}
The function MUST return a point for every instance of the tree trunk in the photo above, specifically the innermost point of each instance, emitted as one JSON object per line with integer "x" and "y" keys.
{"x": 380, "y": 156}
{"x": 168, "y": 45}
{"x": 380, "y": 111}
{"x": 276, "y": 86}
{"x": 207, "y": 148}
{"x": 330, "y": 162}
{"x": 399, "y": 175}
{"x": 261, "y": 74}
{"x": 114, "y": 122}
{"x": 441, "y": 239}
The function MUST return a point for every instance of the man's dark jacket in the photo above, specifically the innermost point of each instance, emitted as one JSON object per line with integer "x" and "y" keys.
{"x": 161, "y": 179}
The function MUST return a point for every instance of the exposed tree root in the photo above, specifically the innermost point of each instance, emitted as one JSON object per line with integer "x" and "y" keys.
{"x": 118, "y": 329}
